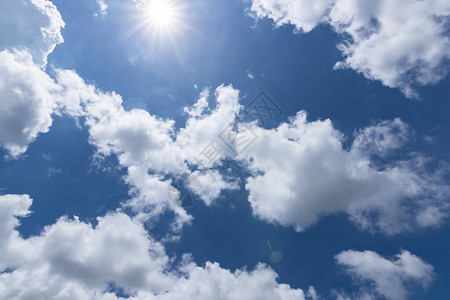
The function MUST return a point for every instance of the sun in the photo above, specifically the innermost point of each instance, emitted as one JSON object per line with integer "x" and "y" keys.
{"x": 161, "y": 13}
{"x": 160, "y": 21}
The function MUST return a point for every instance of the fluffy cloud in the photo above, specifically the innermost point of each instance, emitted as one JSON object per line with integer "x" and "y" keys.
{"x": 302, "y": 172}
{"x": 401, "y": 43}
{"x": 213, "y": 282}
{"x": 30, "y": 31}
{"x": 203, "y": 133}
{"x": 197, "y": 109}
{"x": 301, "y": 13}
{"x": 149, "y": 147}
{"x": 382, "y": 138}
{"x": 27, "y": 100}
{"x": 142, "y": 142}
{"x": 388, "y": 278}
{"x": 75, "y": 260}
{"x": 31, "y": 24}
{"x": 211, "y": 183}
{"x": 300, "y": 164}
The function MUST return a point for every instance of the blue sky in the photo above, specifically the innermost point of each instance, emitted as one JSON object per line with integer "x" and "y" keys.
{"x": 110, "y": 108}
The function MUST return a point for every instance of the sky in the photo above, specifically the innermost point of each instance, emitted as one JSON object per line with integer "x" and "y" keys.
{"x": 241, "y": 149}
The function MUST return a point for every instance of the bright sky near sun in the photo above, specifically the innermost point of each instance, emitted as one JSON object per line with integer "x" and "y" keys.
{"x": 209, "y": 149}
{"x": 161, "y": 13}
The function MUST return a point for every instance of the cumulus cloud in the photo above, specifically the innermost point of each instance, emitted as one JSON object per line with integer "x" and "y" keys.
{"x": 31, "y": 24}
{"x": 28, "y": 97}
{"x": 202, "y": 134}
{"x": 301, "y": 164}
{"x": 382, "y": 138}
{"x": 401, "y": 43}
{"x": 302, "y": 172}
{"x": 301, "y": 13}
{"x": 196, "y": 110}
{"x": 211, "y": 184}
{"x": 388, "y": 278}
{"x": 71, "y": 259}
{"x": 146, "y": 144}
{"x": 141, "y": 141}
{"x": 30, "y": 31}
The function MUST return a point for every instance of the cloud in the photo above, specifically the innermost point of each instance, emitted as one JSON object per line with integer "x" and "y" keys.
{"x": 197, "y": 109}
{"x": 200, "y": 133}
{"x": 34, "y": 25}
{"x": 301, "y": 172}
{"x": 71, "y": 259}
{"x": 103, "y": 8}
{"x": 211, "y": 184}
{"x": 382, "y": 138}
{"x": 146, "y": 144}
{"x": 301, "y": 13}
{"x": 389, "y": 278}
{"x": 30, "y": 31}
{"x": 401, "y": 43}
{"x": 250, "y": 74}
{"x": 141, "y": 141}
{"x": 301, "y": 164}
{"x": 28, "y": 97}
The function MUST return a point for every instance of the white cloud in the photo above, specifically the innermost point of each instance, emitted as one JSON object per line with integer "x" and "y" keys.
{"x": 250, "y": 74}
{"x": 31, "y": 24}
{"x": 211, "y": 184}
{"x": 199, "y": 107}
{"x": 401, "y": 43}
{"x": 301, "y": 172}
{"x": 144, "y": 143}
{"x": 382, "y": 138}
{"x": 27, "y": 100}
{"x": 30, "y": 31}
{"x": 201, "y": 131}
{"x": 304, "y": 14}
{"x": 214, "y": 282}
{"x": 103, "y": 7}
{"x": 75, "y": 260}
{"x": 301, "y": 164}
{"x": 141, "y": 141}
{"x": 388, "y": 277}
{"x": 431, "y": 216}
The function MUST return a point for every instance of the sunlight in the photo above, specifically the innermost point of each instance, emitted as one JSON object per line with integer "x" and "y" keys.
{"x": 161, "y": 13}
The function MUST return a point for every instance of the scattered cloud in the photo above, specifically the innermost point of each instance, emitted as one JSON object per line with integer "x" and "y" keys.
{"x": 250, "y": 74}
{"x": 196, "y": 110}
{"x": 302, "y": 172}
{"x": 382, "y": 138}
{"x": 212, "y": 183}
{"x": 388, "y": 278}
{"x": 103, "y": 8}
{"x": 53, "y": 171}
{"x": 71, "y": 259}
{"x": 401, "y": 43}
{"x": 391, "y": 198}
